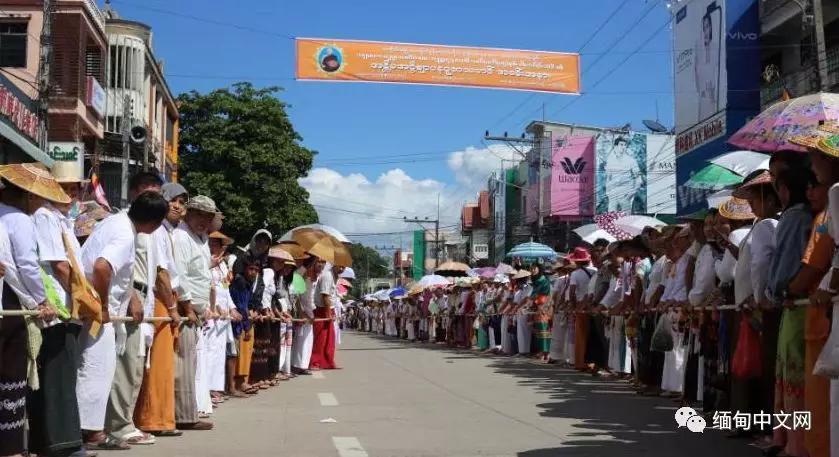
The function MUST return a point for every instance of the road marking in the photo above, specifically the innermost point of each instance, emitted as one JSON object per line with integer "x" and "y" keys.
{"x": 348, "y": 446}
{"x": 317, "y": 375}
{"x": 327, "y": 399}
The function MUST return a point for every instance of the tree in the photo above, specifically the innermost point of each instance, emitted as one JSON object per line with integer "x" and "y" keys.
{"x": 367, "y": 263}
{"x": 238, "y": 147}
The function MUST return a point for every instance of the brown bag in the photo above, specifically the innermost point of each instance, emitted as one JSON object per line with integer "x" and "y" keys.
{"x": 87, "y": 305}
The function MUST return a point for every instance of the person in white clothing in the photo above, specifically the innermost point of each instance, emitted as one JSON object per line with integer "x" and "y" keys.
{"x": 303, "y": 336}
{"x": 220, "y": 335}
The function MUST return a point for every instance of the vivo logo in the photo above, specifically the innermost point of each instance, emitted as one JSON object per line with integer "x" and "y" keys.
{"x": 738, "y": 35}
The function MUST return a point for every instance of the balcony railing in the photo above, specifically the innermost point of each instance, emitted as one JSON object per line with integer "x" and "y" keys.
{"x": 802, "y": 82}
{"x": 95, "y": 13}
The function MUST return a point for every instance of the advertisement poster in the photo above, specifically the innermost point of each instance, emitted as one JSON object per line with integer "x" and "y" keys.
{"x": 407, "y": 63}
{"x": 700, "y": 72}
{"x": 621, "y": 172}
{"x": 572, "y": 183}
{"x": 661, "y": 174}
{"x": 499, "y": 208}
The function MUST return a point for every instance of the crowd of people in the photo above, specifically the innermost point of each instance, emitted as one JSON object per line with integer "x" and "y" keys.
{"x": 119, "y": 329}
{"x": 730, "y": 311}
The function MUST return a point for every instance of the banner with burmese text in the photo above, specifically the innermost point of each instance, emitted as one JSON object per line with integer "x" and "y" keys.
{"x": 405, "y": 63}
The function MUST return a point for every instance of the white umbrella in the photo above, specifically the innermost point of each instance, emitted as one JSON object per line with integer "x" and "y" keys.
{"x": 716, "y": 199}
{"x": 348, "y": 273}
{"x": 591, "y": 233}
{"x": 742, "y": 162}
{"x": 433, "y": 281}
{"x": 635, "y": 224}
{"x": 325, "y": 228}
{"x": 504, "y": 269}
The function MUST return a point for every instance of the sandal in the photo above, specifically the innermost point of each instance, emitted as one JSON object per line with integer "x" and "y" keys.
{"x": 138, "y": 438}
{"x": 108, "y": 444}
{"x": 168, "y": 433}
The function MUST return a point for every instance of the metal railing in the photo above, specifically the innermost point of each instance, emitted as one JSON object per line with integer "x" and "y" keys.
{"x": 95, "y": 13}
{"x": 801, "y": 82}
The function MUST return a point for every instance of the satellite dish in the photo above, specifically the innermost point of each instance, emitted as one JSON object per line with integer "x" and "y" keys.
{"x": 655, "y": 126}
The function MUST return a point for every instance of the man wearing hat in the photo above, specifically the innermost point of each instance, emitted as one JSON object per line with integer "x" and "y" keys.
{"x": 55, "y": 405}
{"x": 193, "y": 260}
{"x": 25, "y": 188}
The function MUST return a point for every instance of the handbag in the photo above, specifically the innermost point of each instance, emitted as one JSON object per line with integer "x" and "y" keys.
{"x": 86, "y": 304}
{"x": 747, "y": 363}
{"x": 662, "y": 340}
{"x": 827, "y": 364}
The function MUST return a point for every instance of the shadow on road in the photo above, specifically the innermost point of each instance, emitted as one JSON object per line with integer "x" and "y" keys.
{"x": 611, "y": 420}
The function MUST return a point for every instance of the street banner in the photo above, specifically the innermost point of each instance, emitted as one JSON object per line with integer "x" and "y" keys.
{"x": 572, "y": 180}
{"x": 621, "y": 172}
{"x": 407, "y": 63}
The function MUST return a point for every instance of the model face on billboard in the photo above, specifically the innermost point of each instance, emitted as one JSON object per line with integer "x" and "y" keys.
{"x": 707, "y": 29}
{"x": 620, "y": 146}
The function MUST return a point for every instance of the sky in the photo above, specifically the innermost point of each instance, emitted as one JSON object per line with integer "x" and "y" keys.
{"x": 388, "y": 151}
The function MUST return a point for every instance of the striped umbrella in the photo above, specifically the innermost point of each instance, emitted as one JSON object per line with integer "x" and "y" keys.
{"x": 532, "y": 250}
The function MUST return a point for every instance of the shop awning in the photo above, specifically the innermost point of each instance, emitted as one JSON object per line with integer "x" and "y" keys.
{"x": 12, "y": 135}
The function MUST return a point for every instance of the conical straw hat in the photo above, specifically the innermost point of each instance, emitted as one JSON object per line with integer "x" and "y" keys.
{"x": 35, "y": 180}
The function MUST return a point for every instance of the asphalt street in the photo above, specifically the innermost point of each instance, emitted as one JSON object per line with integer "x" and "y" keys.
{"x": 394, "y": 398}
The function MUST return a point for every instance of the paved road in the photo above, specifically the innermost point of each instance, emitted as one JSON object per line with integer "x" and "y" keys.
{"x": 399, "y": 399}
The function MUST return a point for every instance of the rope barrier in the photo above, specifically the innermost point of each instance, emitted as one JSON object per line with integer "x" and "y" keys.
{"x": 33, "y": 313}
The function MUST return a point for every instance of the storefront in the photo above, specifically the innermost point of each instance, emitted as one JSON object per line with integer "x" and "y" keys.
{"x": 19, "y": 126}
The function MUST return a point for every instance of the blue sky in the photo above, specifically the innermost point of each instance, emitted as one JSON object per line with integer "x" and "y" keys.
{"x": 355, "y": 127}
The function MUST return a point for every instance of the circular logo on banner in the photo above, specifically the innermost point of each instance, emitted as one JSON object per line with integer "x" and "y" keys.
{"x": 330, "y": 59}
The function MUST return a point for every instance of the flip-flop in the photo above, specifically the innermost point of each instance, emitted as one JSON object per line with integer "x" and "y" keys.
{"x": 168, "y": 433}
{"x": 108, "y": 444}
{"x": 138, "y": 438}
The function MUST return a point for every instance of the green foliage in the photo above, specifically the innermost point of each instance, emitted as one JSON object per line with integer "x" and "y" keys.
{"x": 237, "y": 146}
{"x": 367, "y": 263}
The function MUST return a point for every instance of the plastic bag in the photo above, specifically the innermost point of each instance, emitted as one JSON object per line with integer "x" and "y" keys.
{"x": 663, "y": 335}
{"x": 827, "y": 364}
{"x": 747, "y": 363}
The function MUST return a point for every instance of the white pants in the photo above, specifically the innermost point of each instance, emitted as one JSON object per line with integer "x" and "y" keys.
{"x": 202, "y": 374}
{"x": 558, "y": 339}
{"x": 95, "y": 376}
{"x": 506, "y": 341}
{"x": 410, "y": 331}
{"x": 673, "y": 376}
{"x": 286, "y": 345}
{"x": 432, "y": 329}
{"x": 523, "y": 333}
{"x": 302, "y": 353}
{"x": 217, "y": 355}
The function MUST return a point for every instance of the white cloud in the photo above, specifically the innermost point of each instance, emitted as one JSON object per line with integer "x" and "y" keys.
{"x": 354, "y": 203}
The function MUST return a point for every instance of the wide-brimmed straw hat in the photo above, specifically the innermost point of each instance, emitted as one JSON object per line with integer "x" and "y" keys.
{"x": 521, "y": 274}
{"x": 824, "y": 138}
{"x": 225, "y": 240}
{"x": 762, "y": 179}
{"x": 737, "y": 209}
{"x": 36, "y": 180}
{"x": 277, "y": 252}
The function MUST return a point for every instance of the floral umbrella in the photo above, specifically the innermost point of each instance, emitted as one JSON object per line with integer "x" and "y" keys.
{"x": 772, "y": 129}
{"x": 606, "y": 221}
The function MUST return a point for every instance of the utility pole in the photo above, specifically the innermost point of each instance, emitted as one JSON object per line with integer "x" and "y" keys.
{"x": 818, "y": 34}
{"x": 436, "y": 223}
{"x": 126, "y": 149}
{"x": 44, "y": 76}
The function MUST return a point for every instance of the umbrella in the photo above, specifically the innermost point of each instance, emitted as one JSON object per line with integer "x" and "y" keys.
{"x": 635, "y": 224}
{"x": 713, "y": 177}
{"x": 591, "y": 233}
{"x": 323, "y": 228}
{"x": 382, "y": 295}
{"x": 294, "y": 249}
{"x": 486, "y": 272}
{"x": 433, "y": 281}
{"x": 772, "y": 129}
{"x": 531, "y": 250}
{"x": 742, "y": 163}
{"x": 331, "y": 250}
{"x": 452, "y": 269}
{"x": 504, "y": 269}
{"x": 397, "y": 292}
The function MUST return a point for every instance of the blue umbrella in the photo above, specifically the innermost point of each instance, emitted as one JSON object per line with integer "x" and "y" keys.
{"x": 399, "y": 291}
{"x": 532, "y": 250}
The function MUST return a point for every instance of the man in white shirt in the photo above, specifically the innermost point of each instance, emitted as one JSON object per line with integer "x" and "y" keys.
{"x": 193, "y": 259}
{"x": 108, "y": 261}
{"x": 17, "y": 205}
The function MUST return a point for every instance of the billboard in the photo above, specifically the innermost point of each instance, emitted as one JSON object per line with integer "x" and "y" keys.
{"x": 419, "y": 255}
{"x": 701, "y": 82}
{"x": 661, "y": 174}
{"x": 408, "y": 63}
{"x": 717, "y": 83}
{"x": 572, "y": 180}
{"x": 499, "y": 208}
{"x": 621, "y": 172}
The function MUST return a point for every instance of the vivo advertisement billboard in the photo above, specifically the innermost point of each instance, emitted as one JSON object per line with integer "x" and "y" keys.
{"x": 716, "y": 60}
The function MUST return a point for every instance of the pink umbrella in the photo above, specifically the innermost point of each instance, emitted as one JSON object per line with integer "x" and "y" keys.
{"x": 772, "y": 129}
{"x": 486, "y": 272}
{"x": 606, "y": 221}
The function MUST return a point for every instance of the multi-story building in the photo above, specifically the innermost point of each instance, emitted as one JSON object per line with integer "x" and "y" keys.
{"x": 136, "y": 86}
{"x": 75, "y": 95}
{"x": 476, "y": 222}
{"x": 791, "y": 48}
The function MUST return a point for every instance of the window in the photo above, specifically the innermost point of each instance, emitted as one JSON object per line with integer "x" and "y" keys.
{"x": 13, "y": 37}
